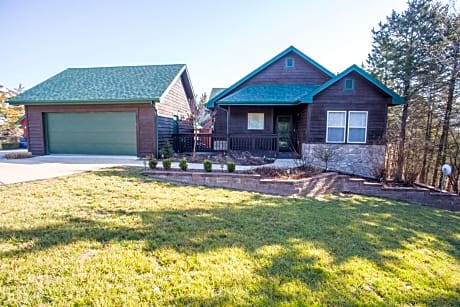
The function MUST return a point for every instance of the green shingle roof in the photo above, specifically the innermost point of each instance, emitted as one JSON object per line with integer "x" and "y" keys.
{"x": 103, "y": 84}
{"x": 273, "y": 94}
{"x": 212, "y": 101}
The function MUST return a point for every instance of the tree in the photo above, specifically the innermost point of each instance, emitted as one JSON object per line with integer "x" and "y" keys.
{"x": 198, "y": 115}
{"x": 450, "y": 59}
{"x": 401, "y": 56}
{"x": 326, "y": 153}
{"x": 10, "y": 114}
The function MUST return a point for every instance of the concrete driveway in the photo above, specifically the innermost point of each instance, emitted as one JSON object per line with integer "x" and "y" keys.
{"x": 43, "y": 167}
{"x": 50, "y": 166}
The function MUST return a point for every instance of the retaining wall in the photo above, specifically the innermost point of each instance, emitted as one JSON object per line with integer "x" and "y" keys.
{"x": 322, "y": 184}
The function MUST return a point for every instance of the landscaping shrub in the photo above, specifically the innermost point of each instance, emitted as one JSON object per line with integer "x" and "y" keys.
{"x": 167, "y": 164}
{"x": 183, "y": 164}
{"x": 230, "y": 166}
{"x": 10, "y": 145}
{"x": 207, "y": 165}
{"x": 167, "y": 151}
{"x": 153, "y": 163}
{"x": 18, "y": 155}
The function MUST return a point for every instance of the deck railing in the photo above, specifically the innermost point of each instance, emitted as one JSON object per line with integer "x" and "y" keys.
{"x": 204, "y": 142}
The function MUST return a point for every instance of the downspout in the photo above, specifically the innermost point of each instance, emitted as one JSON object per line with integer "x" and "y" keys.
{"x": 228, "y": 118}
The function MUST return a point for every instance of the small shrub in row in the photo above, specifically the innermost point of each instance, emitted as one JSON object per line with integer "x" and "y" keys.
{"x": 167, "y": 164}
{"x": 230, "y": 166}
{"x": 18, "y": 155}
{"x": 153, "y": 163}
{"x": 183, "y": 164}
{"x": 207, "y": 165}
{"x": 10, "y": 145}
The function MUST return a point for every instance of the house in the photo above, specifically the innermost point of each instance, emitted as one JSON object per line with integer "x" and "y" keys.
{"x": 292, "y": 103}
{"x": 127, "y": 110}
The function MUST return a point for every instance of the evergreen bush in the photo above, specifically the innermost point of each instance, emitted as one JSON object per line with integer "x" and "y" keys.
{"x": 167, "y": 164}
{"x": 207, "y": 165}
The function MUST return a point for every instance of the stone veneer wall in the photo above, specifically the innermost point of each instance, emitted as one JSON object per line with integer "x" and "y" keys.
{"x": 356, "y": 159}
{"x": 322, "y": 184}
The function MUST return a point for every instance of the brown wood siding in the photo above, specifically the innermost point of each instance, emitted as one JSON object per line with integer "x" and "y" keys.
{"x": 364, "y": 97}
{"x": 302, "y": 73}
{"x": 177, "y": 103}
{"x": 35, "y": 141}
{"x": 146, "y": 144}
{"x": 301, "y": 124}
{"x": 277, "y": 73}
{"x": 220, "y": 122}
{"x": 238, "y": 123}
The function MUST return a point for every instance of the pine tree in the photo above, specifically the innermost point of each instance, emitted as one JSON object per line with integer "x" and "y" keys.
{"x": 401, "y": 56}
{"x": 450, "y": 58}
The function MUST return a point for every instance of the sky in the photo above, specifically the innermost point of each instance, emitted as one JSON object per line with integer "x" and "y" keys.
{"x": 220, "y": 41}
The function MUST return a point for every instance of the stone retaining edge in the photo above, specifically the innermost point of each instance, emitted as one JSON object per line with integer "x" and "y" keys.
{"x": 325, "y": 183}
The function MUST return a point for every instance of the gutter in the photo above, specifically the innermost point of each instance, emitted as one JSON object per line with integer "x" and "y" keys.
{"x": 74, "y": 102}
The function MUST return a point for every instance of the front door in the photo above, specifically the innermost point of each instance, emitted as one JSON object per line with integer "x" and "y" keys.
{"x": 283, "y": 129}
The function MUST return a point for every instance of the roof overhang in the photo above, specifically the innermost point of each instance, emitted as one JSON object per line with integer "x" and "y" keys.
{"x": 76, "y": 102}
{"x": 259, "y": 103}
{"x": 267, "y": 94}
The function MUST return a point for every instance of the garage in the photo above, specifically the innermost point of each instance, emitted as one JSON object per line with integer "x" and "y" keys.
{"x": 103, "y": 133}
{"x": 119, "y": 110}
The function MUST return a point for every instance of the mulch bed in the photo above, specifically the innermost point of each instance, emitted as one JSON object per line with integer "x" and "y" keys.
{"x": 292, "y": 173}
{"x": 240, "y": 158}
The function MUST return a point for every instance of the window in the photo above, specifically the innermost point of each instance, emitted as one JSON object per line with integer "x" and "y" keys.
{"x": 256, "y": 121}
{"x": 349, "y": 84}
{"x": 357, "y": 126}
{"x": 289, "y": 62}
{"x": 336, "y": 121}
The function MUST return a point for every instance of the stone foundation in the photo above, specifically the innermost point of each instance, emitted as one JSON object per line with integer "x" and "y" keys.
{"x": 357, "y": 159}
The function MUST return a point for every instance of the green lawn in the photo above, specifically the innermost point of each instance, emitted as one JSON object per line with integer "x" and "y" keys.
{"x": 115, "y": 238}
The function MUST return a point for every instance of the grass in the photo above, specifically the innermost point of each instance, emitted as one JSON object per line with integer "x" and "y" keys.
{"x": 113, "y": 237}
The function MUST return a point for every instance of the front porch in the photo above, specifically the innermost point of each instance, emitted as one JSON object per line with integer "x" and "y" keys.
{"x": 270, "y": 145}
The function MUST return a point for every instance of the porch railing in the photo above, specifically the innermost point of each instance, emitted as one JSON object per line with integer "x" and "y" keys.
{"x": 211, "y": 142}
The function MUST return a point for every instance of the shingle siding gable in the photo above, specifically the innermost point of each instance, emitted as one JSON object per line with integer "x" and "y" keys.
{"x": 175, "y": 102}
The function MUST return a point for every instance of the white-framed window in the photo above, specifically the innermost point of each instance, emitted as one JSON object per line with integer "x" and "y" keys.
{"x": 336, "y": 123}
{"x": 256, "y": 121}
{"x": 357, "y": 127}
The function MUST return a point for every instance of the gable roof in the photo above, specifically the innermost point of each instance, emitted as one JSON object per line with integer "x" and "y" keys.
{"x": 284, "y": 94}
{"x": 211, "y": 102}
{"x": 215, "y": 91}
{"x": 395, "y": 98}
{"x": 104, "y": 85}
